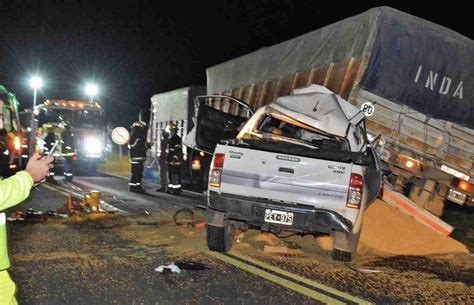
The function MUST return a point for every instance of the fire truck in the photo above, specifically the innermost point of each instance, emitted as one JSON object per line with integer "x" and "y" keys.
{"x": 10, "y": 134}
{"x": 88, "y": 126}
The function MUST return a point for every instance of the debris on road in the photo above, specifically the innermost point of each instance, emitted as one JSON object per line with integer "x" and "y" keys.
{"x": 388, "y": 230}
{"x": 18, "y": 215}
{"x": 178, "y": 266}
{"x": 108, "y": 222}
{"x": 281, "y": 250}
{"x": 199, "y": 224}
{"x": 324, "y": 242}
{"x": 364, "y": 270}
{"x": 191, "y": 266}
{"x": 148, "y": 223}
{"x": 267, "y": 238}
{"x": 165, "y": 269}
{"x": 183, "y": 216}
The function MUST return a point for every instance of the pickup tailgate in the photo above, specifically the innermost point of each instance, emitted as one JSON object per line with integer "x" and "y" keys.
{"x": 285, "y": 177}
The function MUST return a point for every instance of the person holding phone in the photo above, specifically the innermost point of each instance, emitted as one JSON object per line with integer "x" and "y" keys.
{"x": 13, "y": 191}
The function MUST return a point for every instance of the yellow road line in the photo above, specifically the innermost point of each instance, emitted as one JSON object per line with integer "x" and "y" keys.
{"x": 304, "y": 280}
{"x": 276, "y": 279}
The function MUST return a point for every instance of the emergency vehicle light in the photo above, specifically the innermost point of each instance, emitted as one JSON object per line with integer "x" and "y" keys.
{"x": 17, "y": 143}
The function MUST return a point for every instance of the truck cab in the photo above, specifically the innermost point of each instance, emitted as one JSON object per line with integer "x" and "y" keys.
{"x": 87, "y": 122}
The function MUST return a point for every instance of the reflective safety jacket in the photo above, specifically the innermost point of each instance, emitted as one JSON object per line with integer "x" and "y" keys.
{"x": 175, "y": 150}
{"x": 137, "y": 145}
{"x": 13, "y": 190}
{"x": 68, "y": 147}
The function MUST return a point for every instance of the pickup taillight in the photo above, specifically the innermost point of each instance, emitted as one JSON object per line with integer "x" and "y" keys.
{"x": 465, "y": 186}
{"x": 215, "y": 174}
{"x": 356, "y": 187}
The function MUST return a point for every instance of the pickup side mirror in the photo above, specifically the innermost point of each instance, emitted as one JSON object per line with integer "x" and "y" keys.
{"x": 378, "y": 145}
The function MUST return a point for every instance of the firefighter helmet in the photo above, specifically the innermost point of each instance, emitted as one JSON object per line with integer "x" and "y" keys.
{"x": 138, "y": 124}
{"x": 173, "y": 126}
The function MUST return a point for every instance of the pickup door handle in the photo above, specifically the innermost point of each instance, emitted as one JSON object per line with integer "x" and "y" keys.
{"x": 286, "y": 170}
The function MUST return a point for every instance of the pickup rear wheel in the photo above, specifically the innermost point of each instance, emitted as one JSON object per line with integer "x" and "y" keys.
{"x": 341, "y": 256}
{"x": 344, "y": 246}
{"x": 220, "y": 239}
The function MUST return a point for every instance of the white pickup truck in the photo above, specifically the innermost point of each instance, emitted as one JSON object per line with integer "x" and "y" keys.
{"x": 300, "y": 164}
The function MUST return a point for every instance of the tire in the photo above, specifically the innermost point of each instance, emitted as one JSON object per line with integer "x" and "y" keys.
{"x": 341, "y": 256}
{"x": 345, "y": 246}
{"x": 220, "y": 239}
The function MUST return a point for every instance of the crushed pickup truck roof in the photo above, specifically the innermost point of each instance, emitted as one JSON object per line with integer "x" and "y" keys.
{"x": 319, "y": 107}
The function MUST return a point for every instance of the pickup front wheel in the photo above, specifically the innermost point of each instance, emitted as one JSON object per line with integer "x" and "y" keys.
{"x": 220, "y": 239}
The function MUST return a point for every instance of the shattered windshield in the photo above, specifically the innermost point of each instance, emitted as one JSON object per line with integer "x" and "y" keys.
{"x": 289, "y": 131}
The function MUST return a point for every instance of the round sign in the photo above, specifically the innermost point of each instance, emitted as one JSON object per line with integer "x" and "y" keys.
{"x": 120, "y": 135}
{"x": 368, "y": 108}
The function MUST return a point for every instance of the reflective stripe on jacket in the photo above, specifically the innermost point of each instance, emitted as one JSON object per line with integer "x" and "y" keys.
{"x": 13, "y": 190}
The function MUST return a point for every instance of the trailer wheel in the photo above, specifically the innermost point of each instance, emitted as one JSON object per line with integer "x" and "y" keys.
{"x": 220, "y": 239}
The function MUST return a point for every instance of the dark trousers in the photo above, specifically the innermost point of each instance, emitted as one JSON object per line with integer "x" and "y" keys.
{"x": 137, "y": 175}
{"x": 164, "y": 175}
{"x": 68, "y": 173}
{"x": 174, "y": 177}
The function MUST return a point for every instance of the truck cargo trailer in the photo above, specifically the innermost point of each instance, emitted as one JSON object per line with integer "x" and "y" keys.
{"x": 413, "y": 78}
{"x": 175, "y": 107}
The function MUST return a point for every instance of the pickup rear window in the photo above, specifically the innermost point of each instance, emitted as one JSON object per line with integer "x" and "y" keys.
{"x": 271, "y": 126}
{"x": 325, "y": 152}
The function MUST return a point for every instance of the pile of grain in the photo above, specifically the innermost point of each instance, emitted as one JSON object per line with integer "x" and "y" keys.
{"x": 386, "y": 229}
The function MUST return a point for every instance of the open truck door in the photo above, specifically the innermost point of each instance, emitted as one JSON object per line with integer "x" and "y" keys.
{"x": 212, "y": 125}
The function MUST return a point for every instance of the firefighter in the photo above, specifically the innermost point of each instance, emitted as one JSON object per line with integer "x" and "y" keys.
{"x": 68, "y": 151}
{"x": 163, "y": 161}
{"x": 175, "y": 161}
{"x": 137, "y": 150}
{"x": 49, "y": 143}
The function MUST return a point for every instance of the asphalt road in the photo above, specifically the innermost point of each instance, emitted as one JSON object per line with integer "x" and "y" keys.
{"x": 112, "y": 261}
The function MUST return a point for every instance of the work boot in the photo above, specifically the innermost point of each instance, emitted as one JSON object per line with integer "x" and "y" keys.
{"x": 137, "y": 190}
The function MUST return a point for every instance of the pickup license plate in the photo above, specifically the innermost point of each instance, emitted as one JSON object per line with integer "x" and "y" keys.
{"x": 456, "y": 197}
{"x": 274, "y": 216}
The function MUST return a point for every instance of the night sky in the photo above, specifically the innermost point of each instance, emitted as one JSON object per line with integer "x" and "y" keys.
{"x": 134, "y": 49}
